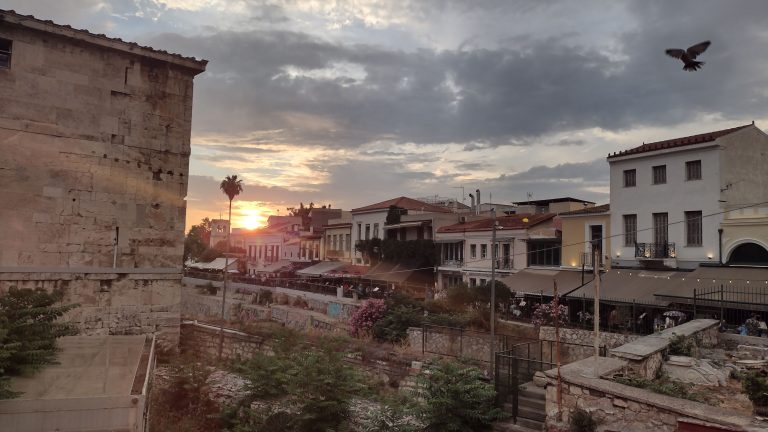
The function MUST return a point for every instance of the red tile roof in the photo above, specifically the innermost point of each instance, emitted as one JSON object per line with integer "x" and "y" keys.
{"x": 588, "y": 210}
{"x": 30, "y": 21}
{"x": 678, "y": 142}
{"x": 517, "y": 221}
{"x": 403, "y": 202}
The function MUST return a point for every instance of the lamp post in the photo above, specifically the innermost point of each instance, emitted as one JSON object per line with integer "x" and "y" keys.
{"x": 493, "y": 293}
{"x": 596, "y": 316}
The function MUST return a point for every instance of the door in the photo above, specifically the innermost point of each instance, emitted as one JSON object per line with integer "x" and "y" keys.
{"x": 660, "y": 235}
{"x": 596, "y": 237}
{"x": 506, "y": 258}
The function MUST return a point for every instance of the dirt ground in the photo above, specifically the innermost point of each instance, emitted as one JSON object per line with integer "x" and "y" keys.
{"x": 730, "y": 397}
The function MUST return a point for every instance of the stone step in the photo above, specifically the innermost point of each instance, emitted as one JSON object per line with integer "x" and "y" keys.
{"x": 530, "y": 424}
{"x": 519, "y": 427}
{"x": 531, "y": 414}
{"x": 534, "y": 403}
{"x": 530, "y": 390}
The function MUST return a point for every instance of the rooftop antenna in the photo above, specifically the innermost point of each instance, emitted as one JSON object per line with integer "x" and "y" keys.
{"x": 530, "y": 196}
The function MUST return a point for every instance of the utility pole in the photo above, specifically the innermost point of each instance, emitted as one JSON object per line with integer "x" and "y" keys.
{"x": 596, "y": 316}
{"x": 493, "y": 292}
{"x": 224, "y": 290}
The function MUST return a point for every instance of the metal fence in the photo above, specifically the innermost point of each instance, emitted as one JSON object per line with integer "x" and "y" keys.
{"x": 517, "y": 365}
{"x": 463, "y": 343}
{"x": 732, "y": 304}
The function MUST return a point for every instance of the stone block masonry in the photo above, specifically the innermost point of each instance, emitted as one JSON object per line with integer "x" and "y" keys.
{"x": 94, "y": 162}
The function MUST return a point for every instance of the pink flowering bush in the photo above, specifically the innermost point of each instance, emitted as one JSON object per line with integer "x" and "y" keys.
{"x": 544, "y": 314}
{"x": 361, "y": 322}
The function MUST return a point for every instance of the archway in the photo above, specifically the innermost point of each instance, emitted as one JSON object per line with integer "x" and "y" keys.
{"x": 748, "y": 254}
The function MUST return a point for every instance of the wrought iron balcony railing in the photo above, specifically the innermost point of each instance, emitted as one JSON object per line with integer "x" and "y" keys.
{"x": 654, "y": 250}
{"x": 452, "y": 263}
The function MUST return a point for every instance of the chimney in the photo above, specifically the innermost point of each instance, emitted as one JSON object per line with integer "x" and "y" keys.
{"x": 478, "y": 201}
{"x": 472, "y": 205}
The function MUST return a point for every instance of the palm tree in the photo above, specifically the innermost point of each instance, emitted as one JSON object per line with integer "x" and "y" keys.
{"x": 231, "y": 186}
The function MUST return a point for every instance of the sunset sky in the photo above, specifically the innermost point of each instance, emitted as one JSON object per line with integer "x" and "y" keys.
{"x": 352, "y": 102}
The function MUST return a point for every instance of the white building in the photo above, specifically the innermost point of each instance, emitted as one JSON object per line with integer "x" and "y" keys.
{"x": 668, "y": 198}
{"x": 368, "y": 222}
{"x": 522, "y": 241}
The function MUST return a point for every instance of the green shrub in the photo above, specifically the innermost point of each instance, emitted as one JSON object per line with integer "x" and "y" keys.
{"x": 582, "y": 421}
{"x": 756, "y": 388}
{"x": 454, "y": 397}
{"x": 393, "y": 327}
{"x": 663, "y": 386}
{"x": 682, "y": 345}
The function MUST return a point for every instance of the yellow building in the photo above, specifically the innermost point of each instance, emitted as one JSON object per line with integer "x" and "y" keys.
{"x": 582, "y": 227}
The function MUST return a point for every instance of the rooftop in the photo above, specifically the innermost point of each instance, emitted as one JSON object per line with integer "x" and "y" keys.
{"x": 679, "y": 142}
{"x": 518, "y": 221}
{"x": 405, "y": 203}
{"x": 30, "y": 22}
{"x": 89, "y": 366}
{"x": 588, "y": 210}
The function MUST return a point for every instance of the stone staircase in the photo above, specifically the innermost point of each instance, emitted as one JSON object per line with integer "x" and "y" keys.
{"x": 531, "y": 411}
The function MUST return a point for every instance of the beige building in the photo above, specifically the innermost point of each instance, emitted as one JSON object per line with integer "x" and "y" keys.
{"x": 581, "y": 228}
{"x": 94, "y": 155}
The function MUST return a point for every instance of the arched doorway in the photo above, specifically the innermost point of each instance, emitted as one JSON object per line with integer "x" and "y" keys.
{"x": 749, "y": 254}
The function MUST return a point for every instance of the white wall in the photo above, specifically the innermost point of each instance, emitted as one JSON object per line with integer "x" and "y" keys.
{"x": 675, "y": 197}
{"x": 366, "y": 218}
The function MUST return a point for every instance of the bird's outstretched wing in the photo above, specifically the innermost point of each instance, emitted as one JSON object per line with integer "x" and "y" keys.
{"x": 697, "y": 49}
{"x": 676, "y": 53}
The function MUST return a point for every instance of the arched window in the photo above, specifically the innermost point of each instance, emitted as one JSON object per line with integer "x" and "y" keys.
{"x": 749, "y": 254}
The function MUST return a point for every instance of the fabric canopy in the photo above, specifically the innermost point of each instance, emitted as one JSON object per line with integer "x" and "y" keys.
{"x": 320, "y": 268}
{"x": 540, "y": 281}
{"x": 217, "y": 264}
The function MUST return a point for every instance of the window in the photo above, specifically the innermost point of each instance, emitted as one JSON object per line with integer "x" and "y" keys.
{"x": 543, "y": 253}
{"x": 367, "y": 231}
{"x": 359, "y": 231}
{"x": 660, "y": 174}
{"x": 472, "y": 282}
{"x": 375, "y": 230}
{"x": 473, "y": 251}
{"x": 693, "y": 228}
{"x": 348, "y": 246}
{"x": 483, "y": 250}
{"x": 693, "y": 170}
{"x": 630, "y": 230}
{"x": 660, "y": 228}
{"x": 5, "y": 53}
{"x": 482, "y": 282}
{"x": 630, "y": 178}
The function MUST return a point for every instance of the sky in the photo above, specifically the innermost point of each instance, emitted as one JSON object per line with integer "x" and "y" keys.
{"x": 351, "y": 102}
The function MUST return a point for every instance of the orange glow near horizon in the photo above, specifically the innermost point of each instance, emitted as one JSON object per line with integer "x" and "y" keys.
{"x": 250, "y": 215}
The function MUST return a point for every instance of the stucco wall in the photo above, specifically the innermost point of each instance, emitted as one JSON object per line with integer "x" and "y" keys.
{"x": 575, "y": 238}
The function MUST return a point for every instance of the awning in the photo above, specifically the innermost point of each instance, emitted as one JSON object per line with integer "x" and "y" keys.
{"x": 217, "y": 264}
{"x": 540, "y": 281}
{"x": 742, "y": 287}
{"x": 628, "y": 285}
{"x": 347, "y": 270}
{"x": 273, "y": 267}
{"x": 320, "y": 268}
{"x": 404, "y": 225}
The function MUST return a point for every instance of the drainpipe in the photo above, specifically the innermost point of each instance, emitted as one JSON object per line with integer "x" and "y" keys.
{"x": 117, "y": 237}
{"x": 720, "y": 245}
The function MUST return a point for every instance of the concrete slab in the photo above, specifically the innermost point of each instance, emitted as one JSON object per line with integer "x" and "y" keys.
{"x": 89, "y": 366}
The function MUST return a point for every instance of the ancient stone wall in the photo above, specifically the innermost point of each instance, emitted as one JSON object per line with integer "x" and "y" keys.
{"x": 586, "y": 337}
{"x": 91, "y": 139}
{"x": 118, "y": 303}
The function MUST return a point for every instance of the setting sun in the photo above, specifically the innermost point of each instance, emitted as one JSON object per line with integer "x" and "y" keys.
{"x": 250, "y": 216}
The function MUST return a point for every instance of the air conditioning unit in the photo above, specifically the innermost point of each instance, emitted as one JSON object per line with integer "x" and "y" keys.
{"x": 462, "y": 219}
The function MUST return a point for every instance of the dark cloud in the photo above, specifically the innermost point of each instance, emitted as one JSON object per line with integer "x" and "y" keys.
{"x": 570, "y": 142}
{"x": 483, "y": 97}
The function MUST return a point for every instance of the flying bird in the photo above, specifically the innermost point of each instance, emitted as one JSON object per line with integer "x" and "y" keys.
{"x": 689, "y": 56}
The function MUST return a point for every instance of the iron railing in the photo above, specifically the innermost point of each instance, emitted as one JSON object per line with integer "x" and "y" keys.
{"x": 516, "y": 366}
{"x": 654, "y": 250}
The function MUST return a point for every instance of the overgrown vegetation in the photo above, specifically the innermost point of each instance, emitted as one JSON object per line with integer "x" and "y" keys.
{"x": 365, "y": 317}
{"x": 454, "y": 397}
{"x": 412, "y": 253}
{"x": 184, "y": 403}
{"x": 663, "y": 385}
{"x": 28, "y": 332}
{"x": 299, "y": 388}
{"x": 402, "y": 313}
{"x": 682, "y": 345}
{"x": 755, "y": 386}
{"x": 582, "y": 421}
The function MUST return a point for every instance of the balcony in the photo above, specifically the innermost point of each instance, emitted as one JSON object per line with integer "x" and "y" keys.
{"x": 452, "y": 263}
{"x": 654, "y": 250}
{"x": 504, "y": 264}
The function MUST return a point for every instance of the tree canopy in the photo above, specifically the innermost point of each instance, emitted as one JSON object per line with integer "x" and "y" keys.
{"x": 28, "y": 332}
